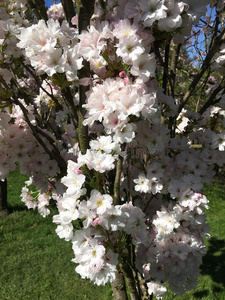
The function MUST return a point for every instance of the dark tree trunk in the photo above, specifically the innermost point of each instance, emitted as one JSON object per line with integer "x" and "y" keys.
{"x": 3, "y": 195}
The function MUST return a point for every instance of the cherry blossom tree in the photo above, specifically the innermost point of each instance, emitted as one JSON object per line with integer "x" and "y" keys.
{"x": 115, "y": 111}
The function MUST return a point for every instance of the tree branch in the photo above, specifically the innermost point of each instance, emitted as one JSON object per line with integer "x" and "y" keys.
{"x": 68, "y": 97}
{"x": 69, "y": 10}
{"x": 39, "y": 83}
{"x": 166, "y": 67}
{"x": 211, "y": 100}
{"x": 39, "y": 9}
{"x": 86, "y": 10}
{"x": 53, "y": 154}
{"x": 162, "y": 63}
{"x": 130, "y": 281}
{"x": 215, "y": 48}
{"x": 116, "y": 188}
{"x": 173, "y": 66}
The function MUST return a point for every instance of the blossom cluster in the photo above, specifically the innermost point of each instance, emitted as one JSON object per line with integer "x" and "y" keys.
{"x": 104, "y": 226}
{"x": 220, "y": 61}
{"x": 174, "y": 17}
{"x": 175, "y": 245}
{"x": 114, "y": 101}
{"x": 97, "y": 45}
{"x": 56, "y": 12}
{"x": 35, "y": 199}
{"x": 51, "y": 48}
{"x": 17, "y": 144}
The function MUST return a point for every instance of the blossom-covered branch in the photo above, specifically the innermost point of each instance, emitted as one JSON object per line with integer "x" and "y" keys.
{"x": 119, "y": 124}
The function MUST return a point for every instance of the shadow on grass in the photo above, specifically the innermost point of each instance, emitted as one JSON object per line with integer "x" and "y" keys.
{"x": 17, "y": 207}
{"x": 214, "y": 261}
{"x": 11, "y": 209}
{"x": 213, "y": 264}
{"x": 205, "y": 293}
{"x": 22, "y": 207}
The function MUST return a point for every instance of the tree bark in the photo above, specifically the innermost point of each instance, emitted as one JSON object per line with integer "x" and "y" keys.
{"x": 116, "y": 200}
{"x": 119, "y": 287}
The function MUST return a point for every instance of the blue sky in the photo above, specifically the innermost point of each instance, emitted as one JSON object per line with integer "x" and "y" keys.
{"x": 50, "y": 2}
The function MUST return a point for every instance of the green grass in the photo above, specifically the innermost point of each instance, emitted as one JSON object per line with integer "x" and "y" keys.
{"x": 15, "y": 184}
{"x": 36, "y": 265}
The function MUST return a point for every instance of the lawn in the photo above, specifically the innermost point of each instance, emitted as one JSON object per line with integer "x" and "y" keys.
{"x": 36, "y": 264}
